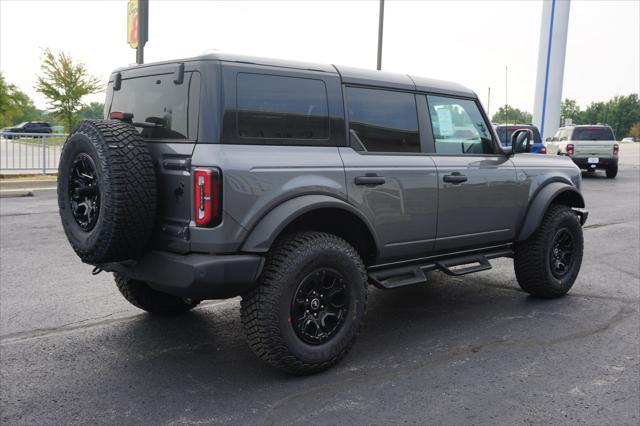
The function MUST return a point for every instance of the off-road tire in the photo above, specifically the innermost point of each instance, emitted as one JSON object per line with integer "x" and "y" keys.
{"x": 612, "y": 171}
{"x": 142, "y": 296}
{"x": 265, "y": 310}
{"x": 532, "y": 257}
{"x": 127, "y": 184}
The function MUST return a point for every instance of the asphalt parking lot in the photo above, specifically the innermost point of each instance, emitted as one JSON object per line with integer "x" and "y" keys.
{"x": 473, "y": 349}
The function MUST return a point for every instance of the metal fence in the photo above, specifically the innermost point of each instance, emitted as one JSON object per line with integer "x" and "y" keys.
{"x": 27, "y": 152}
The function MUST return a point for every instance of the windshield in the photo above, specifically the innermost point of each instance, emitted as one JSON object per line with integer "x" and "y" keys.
{"x": 504, "y": 133}
{"x": 592, "y": 134}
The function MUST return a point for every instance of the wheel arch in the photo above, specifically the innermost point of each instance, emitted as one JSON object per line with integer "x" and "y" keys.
{"x": 315, "y": 213}
{"x": 552, "y": 193}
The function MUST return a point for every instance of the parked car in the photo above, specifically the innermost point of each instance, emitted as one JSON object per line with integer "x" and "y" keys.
{"x": 506, "y": 131}
{"x": 27, "y": 127}
{"x": 630, "y": 140}
{"x": 591, "y": 147}
{"x": 296, "y": 185}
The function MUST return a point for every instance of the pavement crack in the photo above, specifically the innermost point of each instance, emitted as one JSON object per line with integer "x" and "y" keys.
{"x": 84, "y": 324}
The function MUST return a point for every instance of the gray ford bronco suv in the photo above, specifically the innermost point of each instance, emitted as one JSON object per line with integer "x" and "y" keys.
{"x": 297, "y": 185}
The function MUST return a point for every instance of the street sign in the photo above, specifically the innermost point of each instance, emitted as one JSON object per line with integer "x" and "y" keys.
{"x": 133, "y": 23}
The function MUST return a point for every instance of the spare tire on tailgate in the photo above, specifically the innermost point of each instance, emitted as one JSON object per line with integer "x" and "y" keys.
{"x": 106, "y": 191}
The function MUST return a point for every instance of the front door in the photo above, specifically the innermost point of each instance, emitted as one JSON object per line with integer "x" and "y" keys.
{"x": 478, "y": 192}
{"x": 387, "y": 176}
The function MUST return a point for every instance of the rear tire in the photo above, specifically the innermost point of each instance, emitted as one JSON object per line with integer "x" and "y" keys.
{"x": 140, "y": 295}
{"x": 309, "y": 305}
{"x": 547, "y": 264}
{"x": 612, "y": 171}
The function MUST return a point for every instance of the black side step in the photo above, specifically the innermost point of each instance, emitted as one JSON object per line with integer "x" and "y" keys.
{"x": 481, "y": 261}
{"x": 399, "y": 276}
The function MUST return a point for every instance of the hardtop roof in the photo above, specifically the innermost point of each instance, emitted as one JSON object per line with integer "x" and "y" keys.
{"x": 349, "y": 75}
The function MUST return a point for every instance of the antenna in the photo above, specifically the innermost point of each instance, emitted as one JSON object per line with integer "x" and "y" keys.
{"x": 506, "y": 91}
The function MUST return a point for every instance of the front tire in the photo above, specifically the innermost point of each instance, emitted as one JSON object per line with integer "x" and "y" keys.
{"x": 547, "y": 264}
{"x": 142, "y": 296}
{"x": 309, "y": 305}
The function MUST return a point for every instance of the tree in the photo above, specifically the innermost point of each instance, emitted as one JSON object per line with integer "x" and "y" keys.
{"x": 509, "y": 115}
{"x": 64, "y": 82}
{"x": 94, "y": 110}
{"x": 15, "y": 105}
{"x": 634, "y": 132}
{"x": 570, "y": 109}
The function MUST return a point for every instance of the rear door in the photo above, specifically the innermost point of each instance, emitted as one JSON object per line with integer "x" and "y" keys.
{"x": 388, "y": 176}
{"x": 478, "y": 194}
{"x": 165, "y": 112}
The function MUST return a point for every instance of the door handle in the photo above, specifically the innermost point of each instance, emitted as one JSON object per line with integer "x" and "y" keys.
{"x": 370, "y": 179}
{"x": 455, "y": 178}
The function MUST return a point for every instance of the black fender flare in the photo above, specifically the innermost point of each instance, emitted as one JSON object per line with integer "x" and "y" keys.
{"x": 541, "y": 202}
{"x": 271, "y": 225}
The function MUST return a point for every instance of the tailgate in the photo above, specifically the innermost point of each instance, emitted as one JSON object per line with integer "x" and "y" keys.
{"x": 165, "y": 111}
{"x": 174, "y": 185}
{"x": 593, "y": 148}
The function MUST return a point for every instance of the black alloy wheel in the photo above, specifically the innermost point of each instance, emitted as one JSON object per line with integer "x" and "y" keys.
{"x": 562, "y": 250}
{"x": 84, "y": 192}
{"x": 319, "y": 306}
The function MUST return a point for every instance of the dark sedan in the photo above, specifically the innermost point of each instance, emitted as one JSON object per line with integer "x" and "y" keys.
{"x": 28, "y": 127}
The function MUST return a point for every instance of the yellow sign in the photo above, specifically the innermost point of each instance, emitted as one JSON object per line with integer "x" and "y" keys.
{"x": 132, "y": 23}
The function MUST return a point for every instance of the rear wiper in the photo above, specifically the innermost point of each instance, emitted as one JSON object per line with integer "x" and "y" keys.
{"x": 127, "y": 117}
{"x": 151, "y": 123}
{"x": 146, "y": 124}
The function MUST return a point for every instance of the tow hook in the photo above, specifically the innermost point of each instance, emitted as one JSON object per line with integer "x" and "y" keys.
{"x": 96, "y": 270}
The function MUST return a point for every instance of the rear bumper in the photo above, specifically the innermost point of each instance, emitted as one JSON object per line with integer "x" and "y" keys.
{"x": 603, "y": 162}
{"x": 196, "y": 276}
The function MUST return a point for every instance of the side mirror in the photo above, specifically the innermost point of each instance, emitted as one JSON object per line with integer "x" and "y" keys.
{"x": 549, "y": 139}
{"x": 521, "y": 140}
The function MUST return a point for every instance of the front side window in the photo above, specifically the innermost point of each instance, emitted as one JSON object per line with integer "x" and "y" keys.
{"x": 458, "y": 127}
{"x": 277, "y": 107}
{"x": 383, "y": 120}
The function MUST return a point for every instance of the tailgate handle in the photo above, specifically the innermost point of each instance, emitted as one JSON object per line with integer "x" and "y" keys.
{"x": 177, "y": 163}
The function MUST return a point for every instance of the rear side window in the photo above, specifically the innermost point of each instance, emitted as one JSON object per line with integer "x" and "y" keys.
{"x": 383, "y": 120}
{"x": 277, "y": 107}
{"x": 161, "y": 107}
{"x": 458, "y": 126}
{"x": 592, "y": 134}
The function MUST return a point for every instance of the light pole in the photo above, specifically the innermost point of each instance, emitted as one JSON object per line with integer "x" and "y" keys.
{"x": 380, "y": 24}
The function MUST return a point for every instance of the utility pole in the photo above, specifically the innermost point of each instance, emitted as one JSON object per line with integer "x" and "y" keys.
{"x": 489, "y": 103}
{"x": 380, "y": 24}
{"x": 143, "y": 29}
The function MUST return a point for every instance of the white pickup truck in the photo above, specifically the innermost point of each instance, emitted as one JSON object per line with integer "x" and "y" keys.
{"x": 590, "y": 147}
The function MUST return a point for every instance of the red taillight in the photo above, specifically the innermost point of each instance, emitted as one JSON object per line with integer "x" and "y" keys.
{"x": 543, "y": 150}
{"x": 208, "y": 198}
{"x": 616, "y": 149}
{"x": 570, "y": 149}
{"x": 117, "y": 115}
